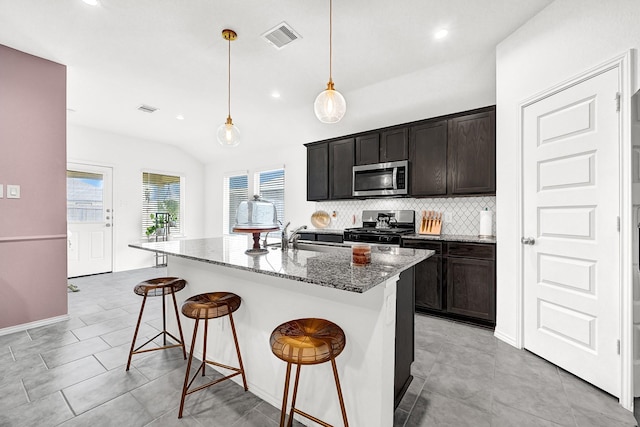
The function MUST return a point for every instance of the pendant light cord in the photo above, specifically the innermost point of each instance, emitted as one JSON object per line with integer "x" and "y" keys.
{"x": 330, "y": 39}
{"x": 229, "y": 80}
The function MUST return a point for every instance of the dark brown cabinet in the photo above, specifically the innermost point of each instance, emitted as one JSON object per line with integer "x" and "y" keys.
{"x": 472, "y": 154}
{"x": 368, "y": 149}
{"x": 428, "y": 273}
{"x": 318, "y": 172}
{"x": 428, "y": 157}
{"x": 394, "y": 145}
{"x": 458, "y": 281}
{"x": 453, "y": 155}
{"x": 341, "y": 160}
{"x": 330, "y": 170}
{"x": 380, "y": 147}
{"x": 471, "y": 280}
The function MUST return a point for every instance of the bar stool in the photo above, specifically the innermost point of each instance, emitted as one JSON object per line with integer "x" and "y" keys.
{"x": 210, "y": 306}
{"x": 160, "y": 286}
{"x": 307, "y": 342}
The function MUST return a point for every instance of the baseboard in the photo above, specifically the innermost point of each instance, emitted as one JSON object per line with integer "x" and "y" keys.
{"x": 31, "y": 325}
{"x": 505, "y": 338}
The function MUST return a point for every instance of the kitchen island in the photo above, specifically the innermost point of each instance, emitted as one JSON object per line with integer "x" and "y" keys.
{"x": 286, "y": 285}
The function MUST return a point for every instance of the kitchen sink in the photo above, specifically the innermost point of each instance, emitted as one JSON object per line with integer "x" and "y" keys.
{"x": 315, "y": 247}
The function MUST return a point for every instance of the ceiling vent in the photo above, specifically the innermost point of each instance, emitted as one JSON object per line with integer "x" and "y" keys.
{"x": 281, "y": 35}
{"x": 147, "y": 108}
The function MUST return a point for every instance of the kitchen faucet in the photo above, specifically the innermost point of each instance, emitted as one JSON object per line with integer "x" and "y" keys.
{"x": 293, "y": 238}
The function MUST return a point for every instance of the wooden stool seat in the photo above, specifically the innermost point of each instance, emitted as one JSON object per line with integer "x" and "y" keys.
{"x": 204, "y": 307}
{"x": 160, "y": 286}
{"x": 211, "y": 305}
{"x": 307, "y": 342}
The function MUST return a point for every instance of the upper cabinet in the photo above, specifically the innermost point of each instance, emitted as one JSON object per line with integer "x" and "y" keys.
{"x": 341, "y": 160}
{"x": 472, "y": 154}
{"x": 428, "y": 159}
{"x": 330, "y": 170}
{"x": 318, "y": 171}
{"x": 391, "y": 145}
{"x": 453, "y": 155}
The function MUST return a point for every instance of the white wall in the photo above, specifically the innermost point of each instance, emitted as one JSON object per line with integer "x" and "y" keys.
{"x": 445, "y": 88}
{"x": 565, "y": 39}
{"x": 129, "y": 157}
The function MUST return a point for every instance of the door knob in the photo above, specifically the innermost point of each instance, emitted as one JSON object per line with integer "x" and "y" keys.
{"x": 107, "y": 225}
{"x": 528, "y": 241}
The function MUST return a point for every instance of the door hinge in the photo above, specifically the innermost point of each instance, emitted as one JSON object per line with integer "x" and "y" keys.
{"x": 618, "y": 346}
{"x": 618, "y": 96}
{"x": 618, "y": 226}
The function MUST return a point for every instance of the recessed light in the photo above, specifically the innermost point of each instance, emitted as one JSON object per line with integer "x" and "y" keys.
{"x": 92, "y": 2}
{"x": 275, "y": 94}
{"x": 440, "y": 34}
{"x": 180, "y": 117}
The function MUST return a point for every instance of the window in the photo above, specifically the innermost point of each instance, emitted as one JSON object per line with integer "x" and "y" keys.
{"x": 270, "y": 185}
{"x": 84, "y": 196}
{"x": 161, "y": 194}
{"x": 236, "y": 190}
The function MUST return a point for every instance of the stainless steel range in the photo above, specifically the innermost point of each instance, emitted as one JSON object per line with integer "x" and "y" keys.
{"x": 382, "y": 227}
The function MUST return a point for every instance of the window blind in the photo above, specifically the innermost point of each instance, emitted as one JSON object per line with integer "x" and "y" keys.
{"x": 236, "y": 190}
{"x": 84, "y": 197}
{"x": 161, "y": 194}
{"x": 270, "y": 185}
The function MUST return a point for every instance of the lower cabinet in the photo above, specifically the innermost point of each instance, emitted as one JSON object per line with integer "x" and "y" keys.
{"x": 459, "y": 281}
{"x": 405, "y": 334}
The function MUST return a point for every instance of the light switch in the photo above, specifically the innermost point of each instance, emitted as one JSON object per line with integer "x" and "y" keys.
{"x": 13, "y": 191}
{"x": 1, "y": 191}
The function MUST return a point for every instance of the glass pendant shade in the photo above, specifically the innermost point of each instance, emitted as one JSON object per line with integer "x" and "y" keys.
{"x": 228, "y": 134}
{"x": 330, "y": 106}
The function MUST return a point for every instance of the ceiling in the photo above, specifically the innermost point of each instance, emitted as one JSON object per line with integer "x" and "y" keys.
{"x": 170, "y": 54}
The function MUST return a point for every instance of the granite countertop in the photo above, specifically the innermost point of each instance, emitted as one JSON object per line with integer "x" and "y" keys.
{"x": 331, "y": 269}
{"x": 452, "y": 238}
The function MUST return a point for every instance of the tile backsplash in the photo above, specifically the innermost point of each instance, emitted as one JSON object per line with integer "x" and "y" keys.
{"x": 461, "y": 215}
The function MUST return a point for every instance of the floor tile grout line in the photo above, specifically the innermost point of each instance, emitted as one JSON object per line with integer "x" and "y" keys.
{"x": 13, "y": 356}
{"x": 25, "y": 390}
{"x": 68, "y": 404}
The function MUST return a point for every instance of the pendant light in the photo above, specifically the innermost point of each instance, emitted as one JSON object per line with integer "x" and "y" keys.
{"x": 228, "y": 134}
{"x": 330, "y": 105}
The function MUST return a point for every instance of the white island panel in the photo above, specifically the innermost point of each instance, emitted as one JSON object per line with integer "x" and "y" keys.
{"x": 365, "y": 366}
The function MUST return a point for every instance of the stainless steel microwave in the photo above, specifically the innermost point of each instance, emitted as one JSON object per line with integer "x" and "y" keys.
{"x": 381, "y": 179}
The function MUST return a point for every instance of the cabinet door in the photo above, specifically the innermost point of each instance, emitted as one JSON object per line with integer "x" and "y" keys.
{"x": 341, "y": 159}
{"x": 394, "y": 145}
{"x": 318, "y": 172}
{"x": 471, "y": 287}
{"x": 428, "y": 159}
{"x": 429, "y": 283}
{"x": 472, "y": 154}
{"x": 368, "y": 149}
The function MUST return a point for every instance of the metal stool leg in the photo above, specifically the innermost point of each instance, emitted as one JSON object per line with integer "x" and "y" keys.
{"x": 335, "y": 375}
{"x": 235, "y": 341}
{"x": 175, "y": 305}
{"x": 295, "y": 394}
{"x": 186, "y": 376}
{"x": 135, "y": 334}
{"x": 204, "y": 347}
{"x": 286, "y": 392}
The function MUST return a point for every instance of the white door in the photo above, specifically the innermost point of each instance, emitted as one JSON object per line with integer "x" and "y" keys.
{"x": 571, "y": 208}
{"x": 89, "y": 220}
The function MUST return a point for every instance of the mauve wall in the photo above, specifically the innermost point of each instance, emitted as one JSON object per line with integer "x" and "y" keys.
{"x": 33, "y": 247}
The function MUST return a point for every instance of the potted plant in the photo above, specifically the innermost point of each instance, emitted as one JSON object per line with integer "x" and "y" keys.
{"x": 158, "y": 227}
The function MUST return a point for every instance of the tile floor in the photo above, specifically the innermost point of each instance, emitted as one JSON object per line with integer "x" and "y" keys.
{"x": 72, "y": 374}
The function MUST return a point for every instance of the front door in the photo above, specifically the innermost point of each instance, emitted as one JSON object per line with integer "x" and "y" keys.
{"x": 89, "y": 220}
{"x": 570, "y": 230}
